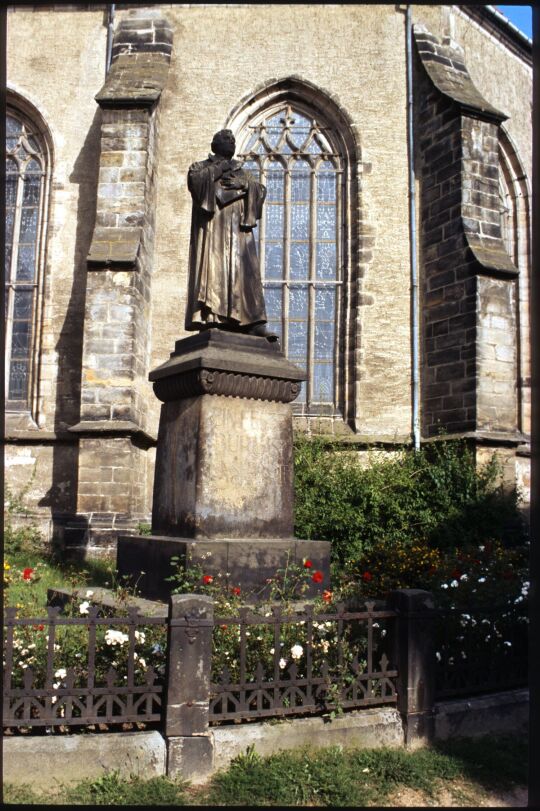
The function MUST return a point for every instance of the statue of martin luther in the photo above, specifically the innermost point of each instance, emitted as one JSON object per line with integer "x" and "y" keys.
{"x": 225, "y": 288}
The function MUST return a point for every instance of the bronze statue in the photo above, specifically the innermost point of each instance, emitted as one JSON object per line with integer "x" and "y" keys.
{"x": 225, "y": 288}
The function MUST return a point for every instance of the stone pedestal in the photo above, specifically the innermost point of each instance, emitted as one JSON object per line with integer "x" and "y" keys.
{"x": 223, "y": 487}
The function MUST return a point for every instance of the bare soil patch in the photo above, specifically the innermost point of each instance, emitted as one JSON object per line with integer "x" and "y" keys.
{"x": 461, "y": 794}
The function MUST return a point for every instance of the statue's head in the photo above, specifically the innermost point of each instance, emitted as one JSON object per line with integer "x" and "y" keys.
{"x": 223, "y": 144}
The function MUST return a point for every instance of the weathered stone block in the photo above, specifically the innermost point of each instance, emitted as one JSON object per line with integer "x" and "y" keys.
{"x": 247, "y": 563}
{"x": 190, "y": 758}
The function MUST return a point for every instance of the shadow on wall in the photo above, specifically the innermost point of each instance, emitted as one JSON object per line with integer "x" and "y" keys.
{"x": 62, "y": 495}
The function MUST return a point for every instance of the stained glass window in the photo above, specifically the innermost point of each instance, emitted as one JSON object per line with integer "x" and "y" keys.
{"x": 297, "y": 157}
{"x": 25, "y": 173}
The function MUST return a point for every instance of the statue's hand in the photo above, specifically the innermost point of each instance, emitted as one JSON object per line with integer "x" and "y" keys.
{"x": 229, "y": 182}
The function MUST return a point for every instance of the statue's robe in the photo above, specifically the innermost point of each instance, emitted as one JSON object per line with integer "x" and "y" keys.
{"x": 224, "y": 277}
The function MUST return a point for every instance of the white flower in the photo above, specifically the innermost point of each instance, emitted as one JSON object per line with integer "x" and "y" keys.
{"x": 454, "y": 584}
{"x": 366, "y": 770}
{"x": 24, "y": 651}
{"x": 115, "y": 637}
{"x": 282, "y": 663}
{"x": 61, "y": 673}
{"x": 383, "y": 632}
{"x": 518, "y": 599}
{"x": 272, "y": 651}
{"x": 325, "y": 645}
{"x": 507, "y": 643}
{"x": 444, "y": 585}
{"x": 297, "y": 651}
{"x": 157, "y": 649}
{"x": 84, "y": 606}
{"x": 481, "y": 548}
{"x": 142, "y": 662}
{"x": 438, "y": 655}
{"x": 89, "y": 593}
{"x": 463, "y": 654}
{"x": 464, "y": 577}
{"x": 481, "y": 579}
{"x": 486, "y": 622}
{"x": 525, "y": 588}
{"x": 140, "y": 636}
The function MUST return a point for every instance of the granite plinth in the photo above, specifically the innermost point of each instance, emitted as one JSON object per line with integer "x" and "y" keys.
{"x": 224, "y": 461}
{"x": 224, "y": 469}
{"x": 246, "y": 563}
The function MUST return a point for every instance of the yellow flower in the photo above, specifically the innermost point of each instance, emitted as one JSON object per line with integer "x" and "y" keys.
{"x": 7, "y": 567}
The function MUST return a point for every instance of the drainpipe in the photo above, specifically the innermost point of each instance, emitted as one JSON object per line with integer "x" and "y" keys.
{"x": 110, "y": 31}
{"x": 413, "y": 241}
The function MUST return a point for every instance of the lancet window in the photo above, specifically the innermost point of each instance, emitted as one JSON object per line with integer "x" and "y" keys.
{"x": 297, "y": 157}
{"x": 26, "y": 169}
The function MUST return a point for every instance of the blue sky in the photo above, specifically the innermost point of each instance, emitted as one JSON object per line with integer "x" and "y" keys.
{"x": 521, "y": 16}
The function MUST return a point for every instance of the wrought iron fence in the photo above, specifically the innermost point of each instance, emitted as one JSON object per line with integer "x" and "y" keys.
{"x": 98, "y": 669}
{"x": 480, "y": 650}
{"x": 338, "y": 659}
{"x": 110, "y": 683}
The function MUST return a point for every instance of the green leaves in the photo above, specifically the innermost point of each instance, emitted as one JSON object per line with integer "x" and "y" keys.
{"x": 364, "y": 500}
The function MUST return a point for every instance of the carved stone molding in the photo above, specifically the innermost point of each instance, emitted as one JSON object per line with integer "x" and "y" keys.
{"x": 228, "y": 364}
{"x": 229, "y": 384}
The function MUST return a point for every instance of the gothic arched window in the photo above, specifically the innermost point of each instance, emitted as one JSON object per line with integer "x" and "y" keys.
{"x": 296, "y": 155}
{"x": 26, "y": 171}
{"x": 514, "y": 196}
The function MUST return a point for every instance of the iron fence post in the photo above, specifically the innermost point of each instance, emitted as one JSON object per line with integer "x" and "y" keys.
{"x": 415, "y": 657}
{"x": 187, "y": 691}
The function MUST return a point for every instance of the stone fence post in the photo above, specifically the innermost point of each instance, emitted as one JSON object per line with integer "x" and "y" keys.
{"x": 415, "y": 658}
{"x": 187, "y": 689}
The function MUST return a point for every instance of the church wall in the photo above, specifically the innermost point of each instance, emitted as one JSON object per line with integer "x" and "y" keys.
{"x": 221, "y": 54}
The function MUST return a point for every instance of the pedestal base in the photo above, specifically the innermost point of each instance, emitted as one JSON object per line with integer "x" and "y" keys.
{"x": 246, "y": 563}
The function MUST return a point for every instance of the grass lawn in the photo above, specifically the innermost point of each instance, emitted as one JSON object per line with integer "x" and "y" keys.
{"x": 462, "y": 772}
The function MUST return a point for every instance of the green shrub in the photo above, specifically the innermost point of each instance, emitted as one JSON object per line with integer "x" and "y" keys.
{"x": 436, "y": 495}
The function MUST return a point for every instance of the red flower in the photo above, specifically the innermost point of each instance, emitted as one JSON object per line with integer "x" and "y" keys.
{"x": 327, "y": 596}
{"x": 432, "y": 569}
{"x": 456, "y": 574}
{"x": 236, "y": 590}
{"x": 207, "y": 579}
{"x": 367, "y": 576}
{"x": 38, "y": 627}
{"x": 317, "y": 577}
{"x": 27, "y": 574}
{"x": 307, "y": 564}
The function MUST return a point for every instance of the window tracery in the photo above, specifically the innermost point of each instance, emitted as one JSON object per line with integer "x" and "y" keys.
{"x": 298, "y": 158}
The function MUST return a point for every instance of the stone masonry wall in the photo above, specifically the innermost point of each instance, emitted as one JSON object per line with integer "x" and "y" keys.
{"x": 115, "y": 390}
{"x": 354, "y": 54}
{"x": 449, "y": 301}
{"x": 469, "y": 279}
